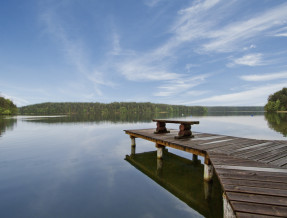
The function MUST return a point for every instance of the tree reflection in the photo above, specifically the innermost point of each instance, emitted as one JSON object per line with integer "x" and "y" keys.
{"x": 6, "y": 124}
{"x": 278, "y": 122}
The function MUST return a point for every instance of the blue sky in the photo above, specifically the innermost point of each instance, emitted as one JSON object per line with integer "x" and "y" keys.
{"x": 212, "y": 52}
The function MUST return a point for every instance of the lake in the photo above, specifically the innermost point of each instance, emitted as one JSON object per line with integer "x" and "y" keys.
{"x": 82, "y": 167}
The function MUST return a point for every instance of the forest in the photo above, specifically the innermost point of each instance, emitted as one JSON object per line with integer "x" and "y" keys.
{"x": 223, "y": 109}
{"x": 7, "y": 107}
{"x": 69, "y": 108}
{"x": 277, "y": 101}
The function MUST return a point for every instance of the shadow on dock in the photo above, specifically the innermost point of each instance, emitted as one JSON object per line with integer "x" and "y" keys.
{"x": 183, "y": 178}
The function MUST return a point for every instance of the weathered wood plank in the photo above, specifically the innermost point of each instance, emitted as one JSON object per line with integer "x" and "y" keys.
{"x": 256, "y": 190}
{"x": 176, "y": 121}
{"x": 263, "y": 209}
{"x": 250, "y": 175}
{"x": 273, "y": 154}
{"x": 261, "y": 169}
{"x": 258, "y": 154}
{"x": 259, "y": 184}
{"x": 280, "y": 162}
{"x": 260, "y": 199}
{"x": 252, "y": 215}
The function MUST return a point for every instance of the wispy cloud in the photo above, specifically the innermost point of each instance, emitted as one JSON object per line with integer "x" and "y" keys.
{"x": 194, "y": 23}
{"x": 116, "y": 45}
{"x": 265, "y": 77}
{"x": 152, "y": 3}
{"x": 234, "y": 34}
{"x": 249, "y": 60}
{"x": 180, "y": 85}
{"x": 256, "y": 96}
{"x": 136, "y": 70}
{"x": 281, "y": 32}
{"x": 75, "y": 52}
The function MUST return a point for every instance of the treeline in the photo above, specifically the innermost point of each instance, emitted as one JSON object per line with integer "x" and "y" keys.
{"x": 235, "y": 109}
{"x": 103, "y": 109}
{"x": 7, "y": 107}
{"x": 277, "y": 101}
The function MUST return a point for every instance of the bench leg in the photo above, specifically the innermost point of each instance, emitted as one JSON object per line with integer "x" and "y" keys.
{"x": 184, "y": 131}
{"x": 160, "y": 128}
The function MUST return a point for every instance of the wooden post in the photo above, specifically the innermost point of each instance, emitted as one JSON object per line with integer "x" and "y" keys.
{"x": 133, "y": 150}
{"x": 227, "y": 209}
{"x": 159, "y": 163}
{"x": 159, "y": 150}
{"x": 207, "y": 189}
{"x": 133, "y": 141}
{"x": 194, "y": 158}
{"x": 208, "y": 170}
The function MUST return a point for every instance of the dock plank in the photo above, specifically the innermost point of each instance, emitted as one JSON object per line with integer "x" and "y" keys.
{"x": 263, "y": 209}
{"x": 254, "y": 198}
{"x": 259, "y": 184}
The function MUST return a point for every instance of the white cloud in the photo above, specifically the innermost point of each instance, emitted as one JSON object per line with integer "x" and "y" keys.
{"x": 249, "y": 47}
{"x": 256, "y": 96}
{"x": 135, "y": 70}
{"x": 180, "y": 85}
{"x": 234, "y": 34}
{"x": 265, "y": 77}
{"x": 281, "y": 34}
{"x": 249, "y": 60}
{"x": 194, "y": 23}
{"x": 151, "y": 3}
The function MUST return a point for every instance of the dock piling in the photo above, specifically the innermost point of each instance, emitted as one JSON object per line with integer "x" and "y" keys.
{"x": 208, "y": 170}
{"x": 159, "y": 150}
{"x": 133, "y": 141}
{"x": 194, "y": 158}
{"x": 133, "y": 150}
{"x": 227, "y": 209}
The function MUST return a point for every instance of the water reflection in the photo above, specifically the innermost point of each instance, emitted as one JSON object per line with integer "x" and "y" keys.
{"x": 277, "y": 122}
{"x": 99, "y": 118}
{"x": 183, "y": 178}
{"x": 6, "y": 124}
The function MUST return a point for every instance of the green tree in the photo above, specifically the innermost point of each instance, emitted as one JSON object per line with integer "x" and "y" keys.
{"x": 277, "y": 101}
{"x": 7, "y": 107}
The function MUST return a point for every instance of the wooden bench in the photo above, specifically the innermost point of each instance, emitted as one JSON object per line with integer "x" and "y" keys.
{"x": 184, "y": 127}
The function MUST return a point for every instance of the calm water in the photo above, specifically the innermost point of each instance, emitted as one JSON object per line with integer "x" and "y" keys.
{"x": 79, "y": 167}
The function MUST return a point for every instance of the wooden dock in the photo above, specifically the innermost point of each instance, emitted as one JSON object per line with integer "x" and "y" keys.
{"x": 252, "y": 173}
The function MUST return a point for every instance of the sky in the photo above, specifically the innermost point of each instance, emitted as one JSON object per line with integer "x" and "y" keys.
{"x": 187, "y": 52}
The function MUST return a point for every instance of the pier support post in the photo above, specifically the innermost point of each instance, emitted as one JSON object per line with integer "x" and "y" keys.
{"x": 133, "y": 141}
{"x": 159, "y": 150}
{"x": 133, "y": 150}
{"x": 195, "y": 158}
{"x": 207, "y": 186}
{"x": 227, "y": 209}
{"x": 159, "y": 163}
{"x": 208, "y": 170}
